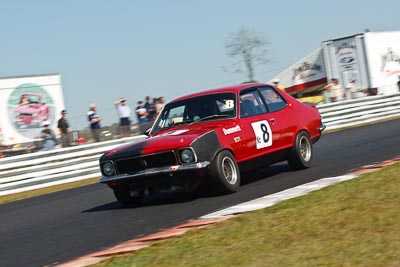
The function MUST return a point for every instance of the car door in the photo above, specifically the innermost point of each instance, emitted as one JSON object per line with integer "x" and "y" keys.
{"x": 281, "y": 120}
{"x": 258, "y": 136}
{"x": 264, "y": 120}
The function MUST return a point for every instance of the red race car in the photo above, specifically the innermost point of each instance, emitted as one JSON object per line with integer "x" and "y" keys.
{"x": 209, "y": 138}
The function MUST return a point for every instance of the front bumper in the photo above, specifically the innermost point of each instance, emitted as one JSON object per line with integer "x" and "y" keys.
{"x": 169, "y": 170}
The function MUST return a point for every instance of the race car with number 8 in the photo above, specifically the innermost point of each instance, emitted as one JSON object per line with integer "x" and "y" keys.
{"x": 209, "y": 139}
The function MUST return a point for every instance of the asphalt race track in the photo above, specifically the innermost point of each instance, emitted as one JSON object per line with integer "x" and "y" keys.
{"x": 62, "y": 226}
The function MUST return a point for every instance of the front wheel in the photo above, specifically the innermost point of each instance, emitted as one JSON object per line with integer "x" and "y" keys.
{"x": 123, "y": 195}
{"x": 224, "y": 173}
{"x": 302, "y": 152}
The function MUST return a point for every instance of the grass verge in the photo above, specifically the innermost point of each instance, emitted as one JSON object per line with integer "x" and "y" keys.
{"x": 46, "y": 190}
{"x": 354, "y": 223}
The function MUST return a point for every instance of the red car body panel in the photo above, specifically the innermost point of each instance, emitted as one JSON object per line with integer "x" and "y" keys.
{"x": 169, "y": 140}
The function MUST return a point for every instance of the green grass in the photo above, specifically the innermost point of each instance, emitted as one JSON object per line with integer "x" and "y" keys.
{"x": 354, "y": 223}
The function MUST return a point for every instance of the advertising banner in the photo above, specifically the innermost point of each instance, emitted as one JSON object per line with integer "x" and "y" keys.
{"x": 305, "y": 73}
{"x": 383, "y": 52}
{"x": 346, "y": 54}
{"x": 25, "y": 103}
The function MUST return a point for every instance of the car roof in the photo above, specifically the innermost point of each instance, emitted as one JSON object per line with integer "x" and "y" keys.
{"x": 235, "y": 89}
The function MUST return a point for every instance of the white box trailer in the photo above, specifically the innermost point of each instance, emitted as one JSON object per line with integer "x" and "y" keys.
{"x": 371, "y": 58}
{"x": 27, "y": 101}
{"x": 383, "y": 54}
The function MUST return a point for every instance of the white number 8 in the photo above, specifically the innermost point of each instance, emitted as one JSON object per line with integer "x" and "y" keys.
{"x": 229, "y": 104}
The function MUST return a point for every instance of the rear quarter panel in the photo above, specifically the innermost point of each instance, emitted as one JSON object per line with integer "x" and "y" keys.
{"x": 308, "y": 118}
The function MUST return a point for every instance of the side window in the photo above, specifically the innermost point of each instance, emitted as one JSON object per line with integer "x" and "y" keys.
{"x": 251, "y": 104}
{"x": 273, "y": 99}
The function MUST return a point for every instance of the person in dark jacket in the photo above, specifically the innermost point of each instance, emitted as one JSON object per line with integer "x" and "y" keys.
{"x": 94, "y": 121}
{"x": 63, "y": 128}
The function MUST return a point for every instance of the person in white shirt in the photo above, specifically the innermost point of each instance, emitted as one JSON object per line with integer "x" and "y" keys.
{"x": 335, "y": 90}
{"x": 124, "y": 113}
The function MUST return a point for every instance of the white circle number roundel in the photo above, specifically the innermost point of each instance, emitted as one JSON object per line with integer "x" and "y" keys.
{"x": 263, "y": 133}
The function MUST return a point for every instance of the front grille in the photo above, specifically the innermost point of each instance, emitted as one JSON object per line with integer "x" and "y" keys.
{"x": 132, "y": 165}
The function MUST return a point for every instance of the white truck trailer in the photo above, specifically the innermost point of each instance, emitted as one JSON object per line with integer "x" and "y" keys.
{"x": 371, "y": 58}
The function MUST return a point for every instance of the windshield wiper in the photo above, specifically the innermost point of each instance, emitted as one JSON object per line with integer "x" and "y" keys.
{"x": 210, "y": 117}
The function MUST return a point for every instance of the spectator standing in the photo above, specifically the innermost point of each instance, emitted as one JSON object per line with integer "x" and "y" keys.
{"x": 63, "y": 128}
{"x": 124, "y": 113}
{"x": 335, "y": 90}
{"x": 141, "y": 112}
{"x": 398, "y": 83}
{"x": 150, "y": 109}
{"x": 159, "y": 104}
{"x": 48, "y": 136}
{"x": 142, "y": 117}
{"x": 94, "y": 121}
{"x": 353, "y": 90}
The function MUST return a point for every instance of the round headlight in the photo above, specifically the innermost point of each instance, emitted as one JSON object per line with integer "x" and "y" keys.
{"x": 187, "y": 155}
{"x": 108, "y": 169}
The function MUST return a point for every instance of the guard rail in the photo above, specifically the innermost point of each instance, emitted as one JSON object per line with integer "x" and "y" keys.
{"x": 48, "y": 168}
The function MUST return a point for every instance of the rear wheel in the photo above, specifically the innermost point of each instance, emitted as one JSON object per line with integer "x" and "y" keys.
{"x": 124, "y": 196}
{"x": 302, "y": 152}
{"x": 224, "y": 173}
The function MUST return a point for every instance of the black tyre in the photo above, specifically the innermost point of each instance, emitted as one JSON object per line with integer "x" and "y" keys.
{"x": 302, "y": 152}
{"x": 224, "y": 173}
{"x": 124, "y": 196}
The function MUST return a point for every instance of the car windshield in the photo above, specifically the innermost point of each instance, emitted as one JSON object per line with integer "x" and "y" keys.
{"x": 30, "y": 99}
{"x": 196, "y": 109}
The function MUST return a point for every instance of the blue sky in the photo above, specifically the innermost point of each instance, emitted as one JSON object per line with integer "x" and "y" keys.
{"x": 108, "y": 49}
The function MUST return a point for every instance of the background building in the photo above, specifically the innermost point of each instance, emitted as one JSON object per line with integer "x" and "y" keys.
{"x": 371, "y": 60}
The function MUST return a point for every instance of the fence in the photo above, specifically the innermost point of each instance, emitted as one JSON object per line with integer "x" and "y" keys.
{"x": 359, "y": 111}
{"x": 48, "y": 168}
{"x": 43, "y": 169}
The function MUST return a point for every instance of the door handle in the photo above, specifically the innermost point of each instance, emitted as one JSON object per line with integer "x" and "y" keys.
{"x": 272, "y": 119}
